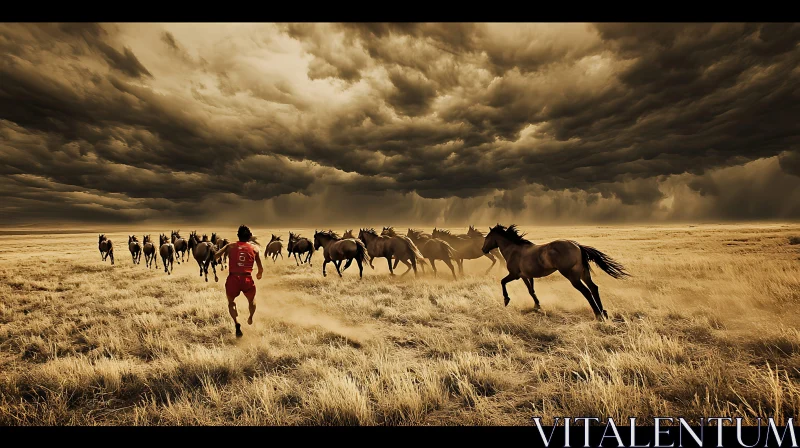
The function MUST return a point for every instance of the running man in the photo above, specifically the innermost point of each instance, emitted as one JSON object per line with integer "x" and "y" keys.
{"x": 241, "y": 255}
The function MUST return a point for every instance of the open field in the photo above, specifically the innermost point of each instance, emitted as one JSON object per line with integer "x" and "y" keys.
{"x": 708, "y": 326}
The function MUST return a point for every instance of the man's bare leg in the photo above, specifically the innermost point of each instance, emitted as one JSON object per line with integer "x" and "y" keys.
{"x": 252, "y": 304}
{"x": 234, "y": 313}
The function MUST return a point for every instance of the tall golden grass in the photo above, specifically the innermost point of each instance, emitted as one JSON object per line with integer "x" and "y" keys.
{"x": 707, "y": 326}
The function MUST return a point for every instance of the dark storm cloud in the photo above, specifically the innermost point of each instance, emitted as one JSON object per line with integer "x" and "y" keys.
{"x": 537, "y": 119}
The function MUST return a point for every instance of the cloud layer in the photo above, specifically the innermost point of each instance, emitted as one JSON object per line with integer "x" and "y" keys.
{"x": 433, "y": 123}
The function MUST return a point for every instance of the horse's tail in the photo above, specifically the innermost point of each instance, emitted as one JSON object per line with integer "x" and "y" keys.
{"x": 606, "y": 263}
{"x": 451, "y": 252}
{"x": 413, "y": 248}
{"x": 209, "y": 256}
{"x": 361, "y": 252}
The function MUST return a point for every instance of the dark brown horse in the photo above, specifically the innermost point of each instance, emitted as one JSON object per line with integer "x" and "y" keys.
{"x": 467, "y": 247}
{"x": 167, "y": 251}
{"x": 203, "y": 252}
{"x": 401, "y": 248}
{"x": 336, "y": 249}
{"x": 349, "y": 234}
{"x": 528, "y": 261}
{"x": 149, "y": 252}
{"x": 136, "y": 249}
{"x": 219, "y": 243}
{"x": 300, "y": 245}
{"x": 274, "y": 248}
{"x": 106, "y": 248}
{"x": 431, "y": 248}
{"x": 181, "y": 245}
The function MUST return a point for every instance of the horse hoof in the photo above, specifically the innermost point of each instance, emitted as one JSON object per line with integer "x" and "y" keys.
{"x": 506, "y": 300}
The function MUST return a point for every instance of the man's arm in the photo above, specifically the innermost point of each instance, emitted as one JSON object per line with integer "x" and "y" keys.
{"x": 221, "y": 252}
{"x": 260, "y": 268}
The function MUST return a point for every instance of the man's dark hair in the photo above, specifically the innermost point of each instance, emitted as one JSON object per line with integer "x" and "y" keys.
{"x": 244, "y": 233}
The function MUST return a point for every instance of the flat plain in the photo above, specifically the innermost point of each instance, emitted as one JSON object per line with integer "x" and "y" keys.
{"x": 706, "y": 326}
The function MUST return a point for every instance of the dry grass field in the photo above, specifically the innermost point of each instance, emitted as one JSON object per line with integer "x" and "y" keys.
{"x": 707, "y": 326}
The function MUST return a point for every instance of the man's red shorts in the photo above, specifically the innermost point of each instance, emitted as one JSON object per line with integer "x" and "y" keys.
{"x": 236, "y": 284}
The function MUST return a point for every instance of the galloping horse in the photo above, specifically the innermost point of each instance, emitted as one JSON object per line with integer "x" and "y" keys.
{"x": 468, "y": 247}
{"x": 106, "y": 248}
{"x": 274, "y": 248}
{"x": 167, "y": 251}
{"x": 335, "y": 249}
{"x": 219, "y": 243}
{"x": 203, "y": 252}
{"x": 300, "y": 245}
{"x": 528, "y": 261}
{"x": 181, "y": 245}
{"x": 136, "y": 249}
{"x": 349, "y": 234}
{"x": 149, "y": 252}
{"x": 403, "y": 249}
{"x": 431, "y": 248}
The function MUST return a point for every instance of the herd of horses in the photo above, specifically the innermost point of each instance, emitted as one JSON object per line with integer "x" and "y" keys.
{"x": 522, "y": 258}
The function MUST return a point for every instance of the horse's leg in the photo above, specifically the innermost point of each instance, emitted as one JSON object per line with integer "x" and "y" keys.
{"x": 587, "y": 278}
{"x": 450, "y": 265}
{"x": 414, "y": 265}
{"x": 433, "y": 266}
{"x": 360, "y": 267}
{"x": 574, "y": 277}
{"x": 112, "y": 256}
{"x": 405, "y": 262}
{"x": 396, "y": 262}
{"x": 494, "y": 261}
{"x": 529, "y": 284}
{"x": 338, "y": 271}
{"x": 499, "y": 255}
{"x": 347, "y": 265}
{"x": 460, "y": 262}
{"x": 508, "y": 278}
{"x": 389, "y": 262}
{"x": 214, "y": 268}
{"x": 324, "y": 263}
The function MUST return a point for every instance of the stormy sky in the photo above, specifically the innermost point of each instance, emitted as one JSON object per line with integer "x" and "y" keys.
{"x": 317, "y": 124}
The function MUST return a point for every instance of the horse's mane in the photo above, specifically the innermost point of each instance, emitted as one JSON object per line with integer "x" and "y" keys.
{"x": 512, "y": 233}
{"x": 390, "y": 231}
{"x": 205, "y": 238}
{"x": 475, "y": 231}
{"x": 329, "y": 233}
{"x": 348, "y": 234}
{"x": 146, "y": 239}
{"x": 371, "y": 231}
{"x": 448, "y": 233}
{"x": 415, "y": 233}
{"x": 134, "y": 239}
